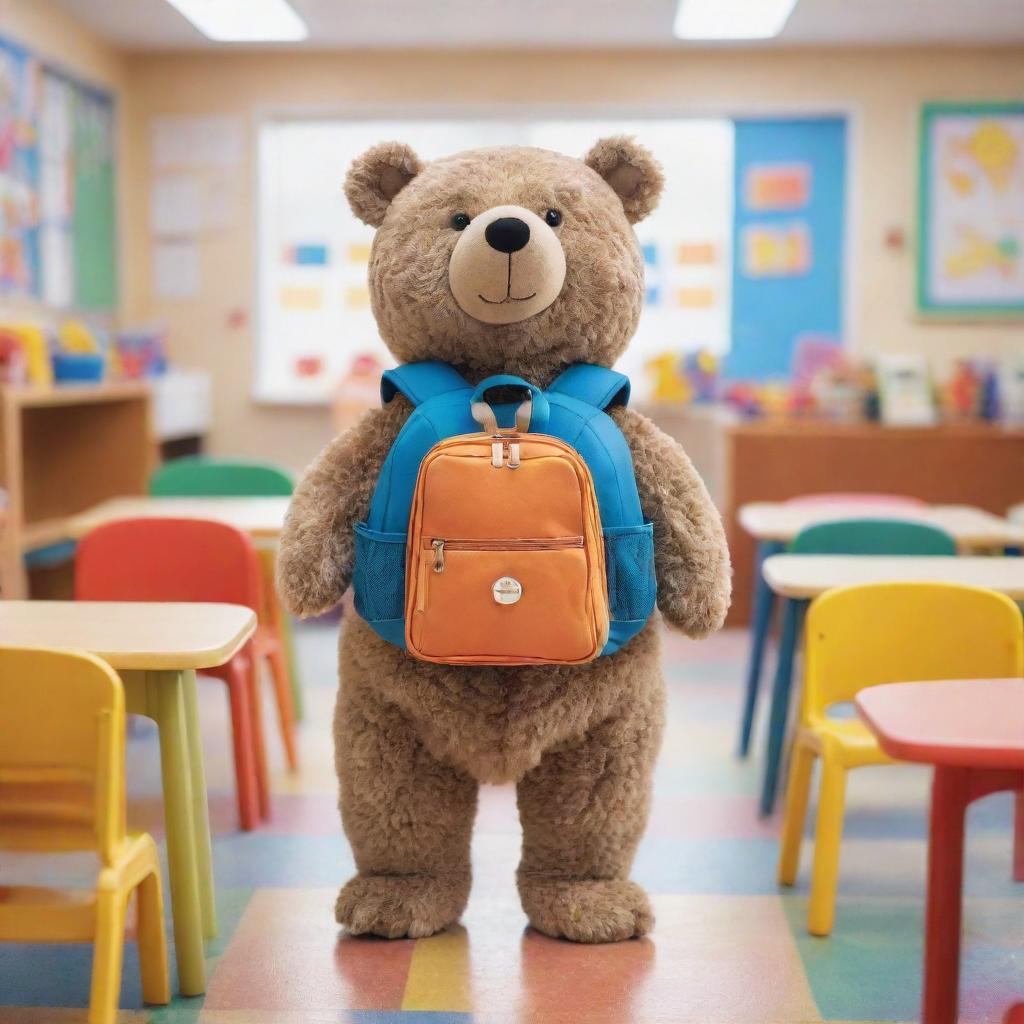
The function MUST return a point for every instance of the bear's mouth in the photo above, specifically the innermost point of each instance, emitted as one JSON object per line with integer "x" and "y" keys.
{"x": 508, "y": 298}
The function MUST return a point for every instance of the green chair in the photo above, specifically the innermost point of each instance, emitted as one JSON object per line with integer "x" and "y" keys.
{"x": 841, "y": 537}
{"x": 197, "y": 476}
{"x": 200, "y": 477}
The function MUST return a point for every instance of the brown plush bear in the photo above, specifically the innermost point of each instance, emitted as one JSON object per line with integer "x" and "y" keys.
{"x": 414, "y": 740}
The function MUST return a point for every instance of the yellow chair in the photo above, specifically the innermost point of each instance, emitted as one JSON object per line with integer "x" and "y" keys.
{"x": 61, "y": 789}
{"x": 861, "y": 636}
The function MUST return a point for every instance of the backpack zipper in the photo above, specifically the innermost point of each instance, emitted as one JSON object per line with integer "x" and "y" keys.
{"x": 510, "y": 544}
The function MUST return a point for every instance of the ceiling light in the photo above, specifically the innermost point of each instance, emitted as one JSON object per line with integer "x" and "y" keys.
{"x": 244, "y": 21}
{"x": 731, "y": 19}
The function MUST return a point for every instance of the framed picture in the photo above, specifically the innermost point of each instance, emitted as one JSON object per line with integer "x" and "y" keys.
{"x": 970, "y": 262}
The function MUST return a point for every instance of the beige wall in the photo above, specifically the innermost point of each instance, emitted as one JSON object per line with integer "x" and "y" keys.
{"x": 881, "y": 89}
{"x": 56, "y": 38}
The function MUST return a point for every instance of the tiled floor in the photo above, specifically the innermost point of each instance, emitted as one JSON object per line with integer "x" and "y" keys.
{"x": 728, "y": 947}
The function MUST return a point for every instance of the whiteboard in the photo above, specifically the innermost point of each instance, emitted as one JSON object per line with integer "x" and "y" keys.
{"x": 314, "y": 314}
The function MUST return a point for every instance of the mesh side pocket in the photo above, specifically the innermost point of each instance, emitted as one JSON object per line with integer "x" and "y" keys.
{"x": 629, "y": 552}
{"x": 379, "y": 576}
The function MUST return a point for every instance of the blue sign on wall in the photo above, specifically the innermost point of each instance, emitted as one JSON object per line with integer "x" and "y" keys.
{"x": 788, "y": 241}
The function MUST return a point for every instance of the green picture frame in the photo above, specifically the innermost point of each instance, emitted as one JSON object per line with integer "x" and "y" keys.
{"x": 962, "y": 308}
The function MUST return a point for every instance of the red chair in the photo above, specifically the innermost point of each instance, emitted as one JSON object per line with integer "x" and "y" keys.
{"x": 154, "y": 559}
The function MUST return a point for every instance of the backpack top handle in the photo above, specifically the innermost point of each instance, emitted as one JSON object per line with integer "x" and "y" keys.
{"x": 531, "y": 415}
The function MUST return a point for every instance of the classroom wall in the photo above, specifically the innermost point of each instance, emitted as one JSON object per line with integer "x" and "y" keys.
{"x": 882, "y": 88}
{"x": 51, "y": 34}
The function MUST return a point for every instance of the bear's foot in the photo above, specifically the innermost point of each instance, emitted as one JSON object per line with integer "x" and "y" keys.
{"x": 593, "y": 910}
{"x": 400, "y": 906}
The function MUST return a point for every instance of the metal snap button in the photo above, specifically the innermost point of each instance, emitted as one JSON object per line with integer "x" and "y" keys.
{"x": 507, "y": 590}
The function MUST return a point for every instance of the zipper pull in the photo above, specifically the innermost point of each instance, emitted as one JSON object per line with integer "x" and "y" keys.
{"x": 438, "y": 546}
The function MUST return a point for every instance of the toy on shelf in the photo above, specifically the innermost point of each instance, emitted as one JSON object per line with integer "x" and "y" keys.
{"x": 139, "y": 352}
{"x": 669, "y": 382}
{"x": 25, "y": 355}
{"x": 693, "y": 377}
{"x": 78, "y": 355}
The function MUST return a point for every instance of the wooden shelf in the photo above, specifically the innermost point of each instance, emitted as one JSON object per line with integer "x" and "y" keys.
{"x": 64, "y": 449}
{"x": 29, "y": 396}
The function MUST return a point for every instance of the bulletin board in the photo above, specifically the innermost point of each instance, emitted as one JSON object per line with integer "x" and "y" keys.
{"x": 58, "y": 221}
{"x": 315, "y": 319}
{"x": 971, "y": 210}
{"x": 789, "y": 238}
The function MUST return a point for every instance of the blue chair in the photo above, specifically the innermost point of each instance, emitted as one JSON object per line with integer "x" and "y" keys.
{"x": 840, "y": 537}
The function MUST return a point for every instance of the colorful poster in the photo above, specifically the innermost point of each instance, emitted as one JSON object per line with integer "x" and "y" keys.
{"x": 57, "y": 209}
{"x": 19, "y": 172}
{"x": 971, "y": 209}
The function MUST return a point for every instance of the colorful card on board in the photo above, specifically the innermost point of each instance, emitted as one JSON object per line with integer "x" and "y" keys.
{"x": 358, "y": 253}
{"x": 307, "y": 255}
{"x": 776, "y": 250}
{"x": 777, "y": 186}
{"x": 301, "y": 297}
{"x": 696, "y": 254}
{"x": 695, "y": 298}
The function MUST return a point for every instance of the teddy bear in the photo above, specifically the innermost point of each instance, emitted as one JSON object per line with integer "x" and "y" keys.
{"x": 522, "y": 261}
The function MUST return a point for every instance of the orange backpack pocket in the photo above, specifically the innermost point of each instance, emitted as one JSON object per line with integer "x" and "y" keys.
{"x": 505, "y": 562}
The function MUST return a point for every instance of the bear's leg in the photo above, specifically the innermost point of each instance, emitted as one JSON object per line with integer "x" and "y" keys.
{"x": 409, "y": 818}
{"x": 583, "y": 811}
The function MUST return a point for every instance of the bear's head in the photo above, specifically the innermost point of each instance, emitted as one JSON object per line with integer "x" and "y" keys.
{"x": 509, "y": 260}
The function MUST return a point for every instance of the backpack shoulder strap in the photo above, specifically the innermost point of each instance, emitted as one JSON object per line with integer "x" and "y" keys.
{"x": 595, "y": 385}
{"x": 420, "y": 381}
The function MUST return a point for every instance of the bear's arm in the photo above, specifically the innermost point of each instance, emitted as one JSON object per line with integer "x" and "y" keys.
{"x": 691, "y": 557}
{"x": 317, "y": 551}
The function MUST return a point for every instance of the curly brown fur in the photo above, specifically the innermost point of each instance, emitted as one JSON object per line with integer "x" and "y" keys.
{"x": 414, "y": 739}
{"x": 691, "y": 556}
{"x": 317, "y": 548}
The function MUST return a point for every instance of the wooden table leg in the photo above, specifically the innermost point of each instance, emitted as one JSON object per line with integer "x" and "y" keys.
{"x": 763, "y": 605}
{"x": 200, "y": 805}
{"x": 183, "y": 871}
{"x": 778, "y": 717}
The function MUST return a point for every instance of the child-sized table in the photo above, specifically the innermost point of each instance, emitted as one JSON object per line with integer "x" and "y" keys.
{"x": 156, "y": 649}
{"x": 803, "y": 577}
{"x": 775, "y": 524}
{"x": 972, "y": 731}
{"x": 262, "y": 518}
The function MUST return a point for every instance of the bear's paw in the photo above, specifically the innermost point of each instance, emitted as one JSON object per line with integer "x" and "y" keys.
{"x": 400, "y": 906}
{"x": 590, "y": 910}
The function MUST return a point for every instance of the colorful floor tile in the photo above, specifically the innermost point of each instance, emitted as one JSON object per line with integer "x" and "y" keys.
{"x": 729, "y": 947}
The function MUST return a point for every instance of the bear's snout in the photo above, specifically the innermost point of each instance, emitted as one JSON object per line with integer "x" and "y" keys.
{"x": 507, "y": 234}
{"x": 507, "y": 266}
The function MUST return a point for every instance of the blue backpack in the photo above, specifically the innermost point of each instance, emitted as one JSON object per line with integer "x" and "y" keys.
{"x": 571, "y": 410}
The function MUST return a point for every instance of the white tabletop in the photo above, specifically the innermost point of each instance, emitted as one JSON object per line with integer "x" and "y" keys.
{"x": 132, "y": 634}
{"x": 969, "y": 526}
{"x": 1016, "y": 514}
{"x": 259, "y": 517}
{"x": 807, "y": 576}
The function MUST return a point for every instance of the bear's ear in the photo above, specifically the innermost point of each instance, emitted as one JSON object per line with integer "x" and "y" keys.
{"x": 376, "y": 177}
{"x": 632, "y": 172}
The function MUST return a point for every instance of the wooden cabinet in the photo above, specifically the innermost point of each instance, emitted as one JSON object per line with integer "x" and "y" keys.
{"x": 62, "y": 450}
{"x": 956, "y": 464}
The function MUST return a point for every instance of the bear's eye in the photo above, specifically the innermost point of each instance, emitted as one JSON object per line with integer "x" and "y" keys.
{"x": 553, "y": 217}
{"x": 461, "y": 221}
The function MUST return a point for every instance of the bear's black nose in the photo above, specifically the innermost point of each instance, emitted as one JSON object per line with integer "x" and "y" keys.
{"x": 507, "y": 234}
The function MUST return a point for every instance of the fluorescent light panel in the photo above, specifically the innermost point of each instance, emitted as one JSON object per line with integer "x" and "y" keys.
{"x": 244, "y": 21}
{"x": 731, "y": 19}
